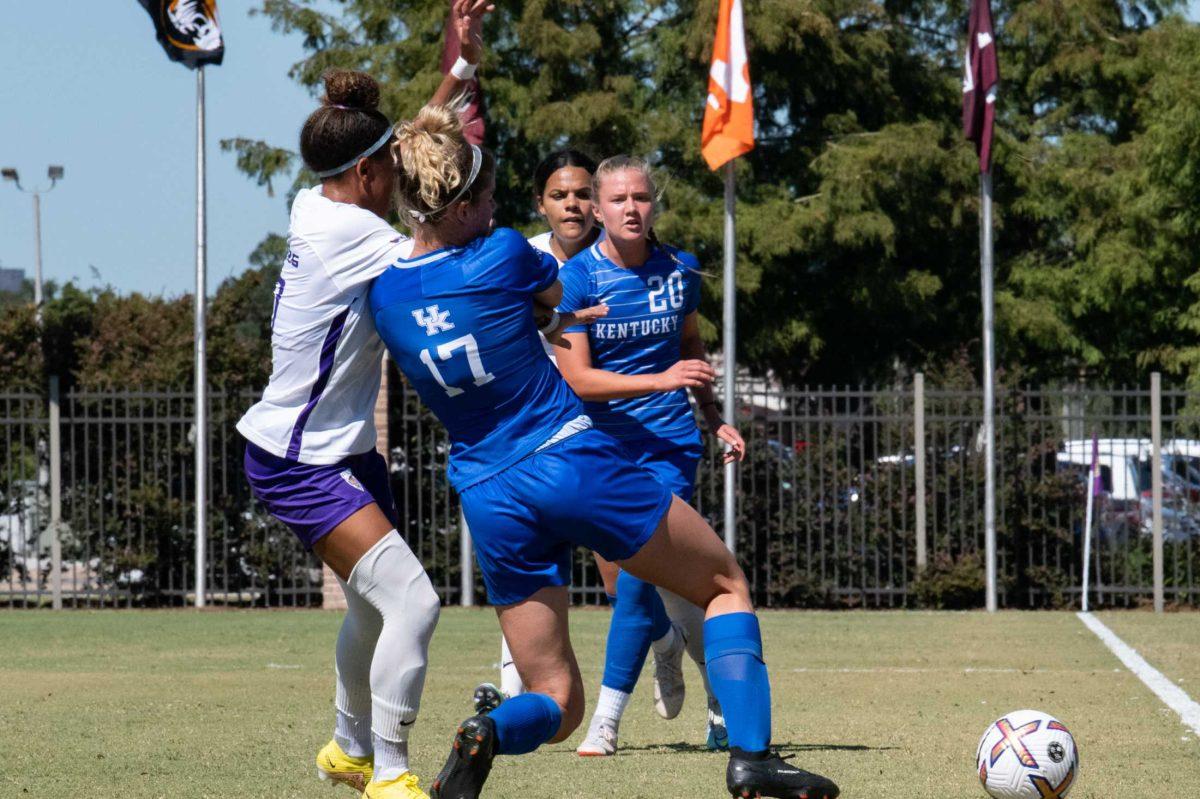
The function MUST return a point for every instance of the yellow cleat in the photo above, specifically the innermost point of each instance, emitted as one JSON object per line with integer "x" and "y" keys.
{"x": 403, "y": 787}
{"x": 336, "y": 766}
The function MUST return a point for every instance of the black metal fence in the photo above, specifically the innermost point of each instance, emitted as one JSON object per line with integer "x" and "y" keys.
{"x": 828, "y": 511}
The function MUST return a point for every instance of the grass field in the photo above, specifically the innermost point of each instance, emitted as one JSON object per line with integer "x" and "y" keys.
{"x": 177, "y": 704}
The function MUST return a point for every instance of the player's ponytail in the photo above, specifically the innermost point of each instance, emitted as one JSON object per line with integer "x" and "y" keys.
{"x": 348, "y": 125}
{"x": 437, "y": 166}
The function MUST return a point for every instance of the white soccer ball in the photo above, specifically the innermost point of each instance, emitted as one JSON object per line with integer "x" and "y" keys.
{"x": 1027, "y": 755}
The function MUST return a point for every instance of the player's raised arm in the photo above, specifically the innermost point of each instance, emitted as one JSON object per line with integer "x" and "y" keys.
{"x": 466, "y": 17}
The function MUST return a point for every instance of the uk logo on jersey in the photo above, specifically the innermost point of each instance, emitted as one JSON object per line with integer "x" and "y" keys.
{"x": 433, "y": 320}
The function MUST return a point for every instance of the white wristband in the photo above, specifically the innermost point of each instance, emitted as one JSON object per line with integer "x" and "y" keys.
{"x": 552, "y": 325}
{"x": 462, "y": 70}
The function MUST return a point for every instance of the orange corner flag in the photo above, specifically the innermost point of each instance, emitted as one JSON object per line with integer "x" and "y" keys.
{"x": 729, "y": 112}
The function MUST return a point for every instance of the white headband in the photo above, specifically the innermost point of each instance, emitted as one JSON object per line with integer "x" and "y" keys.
{"x": 367, "y": 153}
{"x": 476, "y": 163}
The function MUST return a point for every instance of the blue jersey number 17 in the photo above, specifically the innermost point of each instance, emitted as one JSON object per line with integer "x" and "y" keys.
{"x": 446, "y": 351}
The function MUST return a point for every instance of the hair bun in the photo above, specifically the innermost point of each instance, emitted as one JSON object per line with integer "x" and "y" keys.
{"x": 356, "y": 90}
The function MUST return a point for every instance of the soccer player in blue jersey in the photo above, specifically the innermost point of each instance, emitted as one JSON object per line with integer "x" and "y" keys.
{"x": 536, "y": 479}
{"x": 632, "y": 369}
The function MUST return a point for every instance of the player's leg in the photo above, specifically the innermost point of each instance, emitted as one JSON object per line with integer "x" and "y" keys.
{"x": 526, "y": 570}
{"x": 638, "y": 620}
{"x": 690, "y": 619}
{"x": 380, "y": 572}
{"x": 733, "y": 648}
{"x": 548, "y": 711}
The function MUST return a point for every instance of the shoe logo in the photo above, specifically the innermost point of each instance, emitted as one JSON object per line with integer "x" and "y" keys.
{"x": 408, "y": 723}
{"x": 351, "y": 480}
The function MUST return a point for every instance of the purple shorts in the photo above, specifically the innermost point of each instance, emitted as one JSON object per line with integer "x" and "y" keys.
{"x": 312, "y": 500}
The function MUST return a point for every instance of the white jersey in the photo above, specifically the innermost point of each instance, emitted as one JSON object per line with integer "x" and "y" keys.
{"x": 319, "y": 406}
{"x": 542, "y": 242}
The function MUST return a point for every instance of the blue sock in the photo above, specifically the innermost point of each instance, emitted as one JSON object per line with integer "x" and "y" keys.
{"x": 637, "y": 620}
{"x": 525, "y": 722}
{"x": 738, "y": 675}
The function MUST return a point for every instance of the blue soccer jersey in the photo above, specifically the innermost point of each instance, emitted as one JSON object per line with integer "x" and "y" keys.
{"x": 459, "y": 323}
{"x": 640, "y": 335}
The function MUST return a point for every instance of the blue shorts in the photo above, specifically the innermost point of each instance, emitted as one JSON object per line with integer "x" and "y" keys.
{"x": 673, "y": 463}
{"x": 583, "y": 491}
{"x": 312, "y": 500}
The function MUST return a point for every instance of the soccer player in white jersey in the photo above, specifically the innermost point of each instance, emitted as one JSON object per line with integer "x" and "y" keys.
{"x": 310, "y": 451}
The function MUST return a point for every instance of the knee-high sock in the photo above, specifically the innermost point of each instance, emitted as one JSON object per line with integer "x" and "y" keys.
{"x": 638, "y": 619}
{"x": 690, "y": 619}
{"x": 352, "y": 665}
{"x": 510, "y": 678}
{"x": 733, "y": 646}
{"x": 525, "y": 722}
{"x": 391, "y": 579}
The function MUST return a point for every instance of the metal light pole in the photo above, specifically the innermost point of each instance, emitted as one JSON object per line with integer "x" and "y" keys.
{"x": 201, "y": 350}
{"x": 55, "y": 173}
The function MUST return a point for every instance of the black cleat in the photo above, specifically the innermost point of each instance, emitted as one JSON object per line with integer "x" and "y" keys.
{"x": 487, "y": 698}
{"x": 470, "y": 760}
{"x": 751, "y": 776}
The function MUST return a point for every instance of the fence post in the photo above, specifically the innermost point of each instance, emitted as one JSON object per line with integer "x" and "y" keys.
{"x": 919, "y": 454}
{"x": 55, "y": 497}
{"x": 1156, "y": 483}
{"x": 466, "y": 561}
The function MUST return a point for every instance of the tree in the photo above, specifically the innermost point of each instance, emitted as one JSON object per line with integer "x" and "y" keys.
{"x": 858, "y": 209}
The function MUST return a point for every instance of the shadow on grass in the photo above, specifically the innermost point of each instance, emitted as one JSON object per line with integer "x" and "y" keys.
{"x": 784, "y": 748}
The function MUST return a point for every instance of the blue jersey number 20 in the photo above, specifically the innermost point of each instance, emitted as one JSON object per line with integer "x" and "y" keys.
{"x": 446, "y": 351}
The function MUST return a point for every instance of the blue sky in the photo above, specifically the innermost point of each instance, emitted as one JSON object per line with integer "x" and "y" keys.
{"x": 90, "y": 89}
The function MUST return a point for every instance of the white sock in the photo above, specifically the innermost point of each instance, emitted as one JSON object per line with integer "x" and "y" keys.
{"x": 690, "y": 619}
{"x": 352, "y": 665}
{"x": 391, "y": 579}
{"x": 611, "y": 704}
{"x": 391, "y": 759}
{"x": 510, "y": 678}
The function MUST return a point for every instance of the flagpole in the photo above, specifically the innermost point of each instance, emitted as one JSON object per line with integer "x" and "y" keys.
{"x": 989, "y": 390}
{"x": 730, "y": 354}
{"x": 1093, "y": 471}
{"x": 201, "y": 379}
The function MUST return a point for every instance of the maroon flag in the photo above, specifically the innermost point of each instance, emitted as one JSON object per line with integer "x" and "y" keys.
{"x": 472, "y": 114}
{"x": 979, "y": 82}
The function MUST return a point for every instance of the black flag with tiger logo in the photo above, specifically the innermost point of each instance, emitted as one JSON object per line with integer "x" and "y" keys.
{"x": 188, "y": 30}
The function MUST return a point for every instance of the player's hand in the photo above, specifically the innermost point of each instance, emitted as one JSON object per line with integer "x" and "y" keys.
{"x": 737, "y": 446}
{"x": 692, "y": 373}
{"x": 584, "y": 316}
{"x": 467, "y": 18}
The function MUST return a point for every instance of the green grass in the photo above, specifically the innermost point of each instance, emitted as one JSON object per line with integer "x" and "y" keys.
{"x": 1170, "y": 642}
{"x": 178, "y": 704}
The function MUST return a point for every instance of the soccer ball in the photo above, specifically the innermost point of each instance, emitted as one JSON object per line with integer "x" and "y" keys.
{"x": 1027, "y": 755}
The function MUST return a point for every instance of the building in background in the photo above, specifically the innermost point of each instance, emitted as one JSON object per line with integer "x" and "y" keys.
{"x": 11, "y": 280}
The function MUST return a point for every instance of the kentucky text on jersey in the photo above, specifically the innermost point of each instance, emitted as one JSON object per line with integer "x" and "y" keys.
{"x": 641, "y": 334}
{"x": 318, "y": 407}
{"x": 646, "y": 327}
{"x": 459, "y": 324}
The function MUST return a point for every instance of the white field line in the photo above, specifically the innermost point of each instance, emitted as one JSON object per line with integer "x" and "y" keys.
{"x": 1171, "y": 694}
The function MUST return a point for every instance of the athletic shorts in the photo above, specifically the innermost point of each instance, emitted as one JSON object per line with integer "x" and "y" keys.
{"x": 583, "y": 491}
{"x": 312, "y": 500}
{"x": 674, "y": 464}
